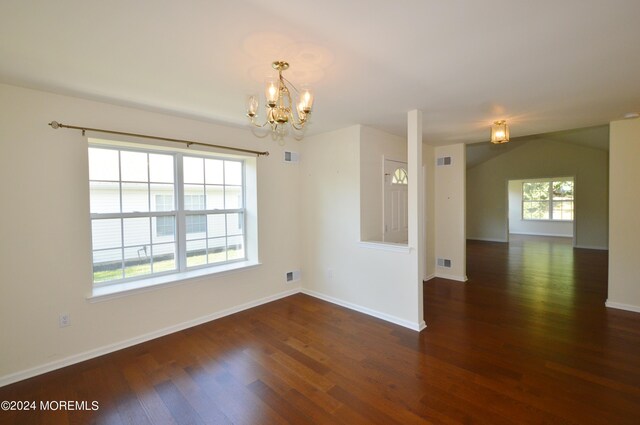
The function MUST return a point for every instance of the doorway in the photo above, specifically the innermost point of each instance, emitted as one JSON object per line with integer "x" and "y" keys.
{"x": 395, "y": 202}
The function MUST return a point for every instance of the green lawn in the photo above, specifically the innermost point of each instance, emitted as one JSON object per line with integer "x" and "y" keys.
{"x": 162, "y": 266}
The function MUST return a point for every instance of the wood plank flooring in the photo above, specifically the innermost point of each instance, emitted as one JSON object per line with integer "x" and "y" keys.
{"x": 526, "y": 340}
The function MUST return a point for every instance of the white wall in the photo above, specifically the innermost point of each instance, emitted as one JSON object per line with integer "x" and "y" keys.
{"x": 532, "y": 227}
{"x": 45, "y": 254}
{"x": 375, "y": 145}
{"x": 487, "y": 207}
{"x": 337, "y": 266}
{"x": 624, "y": 202}
{"x": 449, "y": 201}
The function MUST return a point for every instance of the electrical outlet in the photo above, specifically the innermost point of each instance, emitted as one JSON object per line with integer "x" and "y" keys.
{"x": 330, "y": 274}
{"x": 64, "y": 320}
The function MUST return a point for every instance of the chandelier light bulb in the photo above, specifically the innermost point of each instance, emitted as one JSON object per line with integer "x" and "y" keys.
{"x": 252, "y": 106}
{"x": 271, "y": 92}
{"x": 306, "y": 100}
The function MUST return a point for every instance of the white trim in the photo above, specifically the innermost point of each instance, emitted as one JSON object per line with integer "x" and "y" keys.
{"x": 603, "y": 248}
{"x": 470, "y": 238}
{"x": 386, "y": 317}
{"x": 90, "y": 354}
{"x": 428, "y": 278}
{"x": 117, "y": 290}
{"x": 556, "y": 235}
{"x": 451, "y": 277}
{"x": 77, "y": 358}
{"x": 386, "y": 246}
{"x": 619, "y": 306}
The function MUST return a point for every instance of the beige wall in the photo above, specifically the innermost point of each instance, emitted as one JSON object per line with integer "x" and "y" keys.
{"x": 449, "y": 202}
{"x": 375, "y": 146}
{"x": 428, "y": 159}
{"x": 624, "y": 202}
{"x": 45, "y": 254}
{"x": 487, "y": 207}
{"x": 338, "y": 266}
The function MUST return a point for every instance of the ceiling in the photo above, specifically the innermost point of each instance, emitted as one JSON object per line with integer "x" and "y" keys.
{"x": 543, "y": 65}
{"x": 592, "y": 137}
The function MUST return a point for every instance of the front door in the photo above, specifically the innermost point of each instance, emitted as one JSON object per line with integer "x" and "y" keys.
{"x": 396, "y": 196}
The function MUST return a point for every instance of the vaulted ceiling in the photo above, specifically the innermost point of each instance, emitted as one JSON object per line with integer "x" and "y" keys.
{"x": 544, "y": 65}
{"x": 591, "y": 137}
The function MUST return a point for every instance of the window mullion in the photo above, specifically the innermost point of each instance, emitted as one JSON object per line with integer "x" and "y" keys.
{"x": 121, "y": 210}
{"x": 181, "y": 231}
{"x": 151, "y": 240}
{"x": 551, "y": 200}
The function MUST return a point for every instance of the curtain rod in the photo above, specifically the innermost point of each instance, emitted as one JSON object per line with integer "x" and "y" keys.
{"x": 56, "y": 125}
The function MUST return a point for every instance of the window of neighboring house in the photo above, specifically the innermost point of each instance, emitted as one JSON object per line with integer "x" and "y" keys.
{"x": 548, "y": 200}
{"x": 141, "y": 227}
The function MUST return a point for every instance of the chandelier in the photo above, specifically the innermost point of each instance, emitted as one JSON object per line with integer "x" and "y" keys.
{"x": 280, "y": 104}
{"x": 499, "y": 132}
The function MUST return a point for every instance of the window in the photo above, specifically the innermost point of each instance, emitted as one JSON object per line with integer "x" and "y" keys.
{"x": 548, "y": 200}
{"x": 399, "y": 176}
{"x": 163, "y": 212}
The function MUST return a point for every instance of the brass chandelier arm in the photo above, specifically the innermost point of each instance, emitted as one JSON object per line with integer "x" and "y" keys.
{"x": 290, "y": 83}
{"x": 298, "y": 127}
{"x": 297, "y": 124}
{"x": 253, "y": 121}
{"x": 56, "y": 125}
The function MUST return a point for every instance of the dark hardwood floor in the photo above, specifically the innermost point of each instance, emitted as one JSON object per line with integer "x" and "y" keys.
{"x": 526, "y": 340}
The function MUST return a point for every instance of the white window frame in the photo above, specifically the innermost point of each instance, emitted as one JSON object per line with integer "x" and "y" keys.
{"x": 181, "y": 271}
{"x": 548, "y": 201}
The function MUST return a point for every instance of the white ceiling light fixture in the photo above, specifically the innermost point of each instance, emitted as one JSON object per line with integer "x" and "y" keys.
{"x": 499, "y": 132}
{"x": 280, "y": 104}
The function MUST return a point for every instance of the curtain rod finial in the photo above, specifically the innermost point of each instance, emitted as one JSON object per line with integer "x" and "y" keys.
{"x": 54, "y": 124}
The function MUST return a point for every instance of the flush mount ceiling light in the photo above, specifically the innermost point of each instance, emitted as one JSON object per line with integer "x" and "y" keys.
{"x": 280, "y": 104}
{"x": 499, "y": 132}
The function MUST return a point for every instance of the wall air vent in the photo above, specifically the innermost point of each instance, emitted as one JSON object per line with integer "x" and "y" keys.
{"x": 292, "y": 276}
{"x": 445, "y": 160}
{"x": 291, "y": 156}
{"x": 444, "y": 262}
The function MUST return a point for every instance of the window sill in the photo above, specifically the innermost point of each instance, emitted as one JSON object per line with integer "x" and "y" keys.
{"x": 546, "y": 220}
{"x": 117, "y": 290}
{"x": 386, "y": 246}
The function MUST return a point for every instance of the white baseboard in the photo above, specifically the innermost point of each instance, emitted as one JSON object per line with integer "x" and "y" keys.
{"x": 431, "y": 276}
{"x": 77, "y": 358}
{"x": 486, "y": 239}
{"x": 620, "y": 306}
{"x": 451, "y": 277}
{"x": 90, "y": 354}
{"x": 602, "y": 248}
{"x": 555, "y": 235}
{"x": 387, "y": 317}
